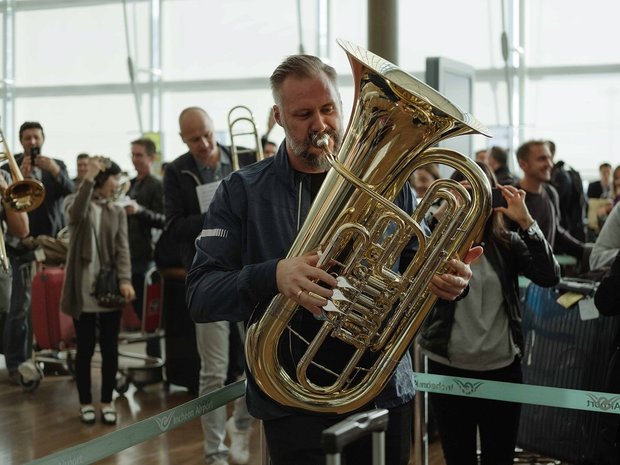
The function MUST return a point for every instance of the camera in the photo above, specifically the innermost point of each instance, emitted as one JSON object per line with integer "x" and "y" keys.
{"x": 34, "y": 151}
{"x": 498, "y": 199}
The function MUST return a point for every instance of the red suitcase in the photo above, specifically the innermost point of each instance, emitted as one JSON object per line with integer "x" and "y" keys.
{"x": 52, "y": 328}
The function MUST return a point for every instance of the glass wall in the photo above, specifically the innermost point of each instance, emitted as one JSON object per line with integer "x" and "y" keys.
{"x": 71, "y": 69}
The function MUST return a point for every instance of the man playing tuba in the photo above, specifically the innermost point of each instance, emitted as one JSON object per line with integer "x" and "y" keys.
{"x": 239, "y": 266}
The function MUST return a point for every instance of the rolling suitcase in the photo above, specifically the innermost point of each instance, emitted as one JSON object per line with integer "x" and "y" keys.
{"x": 335, "y": 438}
{"x": 52, "y": 328}
{"x": 562, "y": 349}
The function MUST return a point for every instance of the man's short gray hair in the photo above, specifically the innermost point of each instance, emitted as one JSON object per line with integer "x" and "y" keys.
{"x": 302, "y": 66}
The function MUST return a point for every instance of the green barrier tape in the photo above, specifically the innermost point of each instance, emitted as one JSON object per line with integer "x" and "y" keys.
{"x": 104, "y": 446}
{"x": 524, "y": 393}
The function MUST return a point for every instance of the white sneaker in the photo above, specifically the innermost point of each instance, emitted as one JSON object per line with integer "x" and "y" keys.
{"x": 29, "y": 371}
{"x": 239, "y": 451}
{"x": 218, "y": 462}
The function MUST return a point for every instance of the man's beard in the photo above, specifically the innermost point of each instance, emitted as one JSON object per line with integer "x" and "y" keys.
{"x": 301, "y": 149}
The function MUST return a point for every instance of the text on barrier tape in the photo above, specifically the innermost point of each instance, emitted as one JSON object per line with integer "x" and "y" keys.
{"x": 524, "y": 393}
{"x": 104, "y": 446}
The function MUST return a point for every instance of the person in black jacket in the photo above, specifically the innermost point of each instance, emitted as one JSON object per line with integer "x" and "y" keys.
{"x": 47, "y": 219}
{"x": 187, "y": 183}
{"x": 145, "y": 212}
{"x": 542, "y": 199}
{"x": 607, "y": 296}
{"x": 498, "y": 162}
{"x": 480, "y": 336}
{"x": 241, "y": 261}
{"x": 601, "y": 189}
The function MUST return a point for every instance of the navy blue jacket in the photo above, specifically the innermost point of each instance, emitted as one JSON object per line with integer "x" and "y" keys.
{"x": 251, "y": 223}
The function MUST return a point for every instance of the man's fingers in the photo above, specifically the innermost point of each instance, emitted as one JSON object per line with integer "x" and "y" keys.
{"x": 473, "y": 254}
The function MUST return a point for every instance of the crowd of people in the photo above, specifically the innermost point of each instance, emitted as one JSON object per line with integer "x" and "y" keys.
{"x": 230, "y": 232}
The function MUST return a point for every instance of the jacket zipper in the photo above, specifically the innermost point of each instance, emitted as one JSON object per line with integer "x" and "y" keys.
{"x": 301, "y": 183}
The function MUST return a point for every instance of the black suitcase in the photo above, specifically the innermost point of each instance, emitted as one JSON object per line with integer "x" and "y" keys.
{"x": 182, "y": 363}
{"x": 562, "y": 350}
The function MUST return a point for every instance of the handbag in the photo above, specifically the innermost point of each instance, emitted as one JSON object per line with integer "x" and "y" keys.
{"x": 107, "y": 292}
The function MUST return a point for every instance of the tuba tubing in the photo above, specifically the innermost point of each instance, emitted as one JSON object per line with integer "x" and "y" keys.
{"x": 361, "y": 234}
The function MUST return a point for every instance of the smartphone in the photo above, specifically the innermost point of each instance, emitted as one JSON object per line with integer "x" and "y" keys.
{"x": 498, "y": 199}
{"x": 34, "y": 151}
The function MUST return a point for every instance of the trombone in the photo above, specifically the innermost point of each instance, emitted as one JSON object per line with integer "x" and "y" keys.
{"x": 23, "y": 195}
{"x": 241, "y": 123}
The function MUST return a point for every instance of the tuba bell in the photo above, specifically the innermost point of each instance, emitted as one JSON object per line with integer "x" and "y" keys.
{"x": 360, "y": 235}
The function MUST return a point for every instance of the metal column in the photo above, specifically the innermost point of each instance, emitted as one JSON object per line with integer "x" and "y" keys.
{"x": 383, "y": 28}
{"x": 8, "y": 71}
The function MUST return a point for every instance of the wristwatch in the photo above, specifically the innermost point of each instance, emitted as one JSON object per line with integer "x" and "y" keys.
{"x": 531, "y": 231}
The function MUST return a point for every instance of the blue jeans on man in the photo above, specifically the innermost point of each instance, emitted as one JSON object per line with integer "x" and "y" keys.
{"x": 17, "y": 335}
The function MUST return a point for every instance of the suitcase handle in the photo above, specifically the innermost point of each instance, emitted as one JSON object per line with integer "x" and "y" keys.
{"x": 336, "y": 437}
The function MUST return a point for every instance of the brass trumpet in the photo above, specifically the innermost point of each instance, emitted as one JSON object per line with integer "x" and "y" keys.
{"x": 241, "y": 123}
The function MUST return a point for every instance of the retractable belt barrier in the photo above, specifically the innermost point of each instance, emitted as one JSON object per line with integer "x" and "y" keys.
{"x": 523, "y": 393}
{"x": 109, "y": 444}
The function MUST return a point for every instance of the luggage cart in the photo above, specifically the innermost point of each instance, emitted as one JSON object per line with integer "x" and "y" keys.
{"x": 150, "y": 370}
{"x": 53, "y": 331}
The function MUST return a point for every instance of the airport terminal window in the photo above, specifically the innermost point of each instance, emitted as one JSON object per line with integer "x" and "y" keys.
{"x": 572, "y": 34}
{"x": 225, "y": 44}
{"x": 99, "y": 124}
{"x": 79, "y": 45}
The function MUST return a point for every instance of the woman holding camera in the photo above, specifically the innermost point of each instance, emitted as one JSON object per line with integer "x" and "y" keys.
{"x": 98, "y": 240}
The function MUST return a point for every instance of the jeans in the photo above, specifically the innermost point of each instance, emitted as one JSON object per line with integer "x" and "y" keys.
{"x": 18, "y": 326}
{"x": 212, "y": 340}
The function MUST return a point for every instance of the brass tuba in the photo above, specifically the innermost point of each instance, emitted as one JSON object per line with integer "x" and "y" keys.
{"x": 241, "y": 123}
{"x": 360, "y": 235}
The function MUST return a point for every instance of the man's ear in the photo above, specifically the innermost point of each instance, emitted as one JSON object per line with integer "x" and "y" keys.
{"x": 182, "y": 138}
{"x": 276, "y": 114}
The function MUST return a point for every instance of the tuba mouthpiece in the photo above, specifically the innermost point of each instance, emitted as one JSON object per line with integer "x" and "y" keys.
{"x": 320, "y": 141}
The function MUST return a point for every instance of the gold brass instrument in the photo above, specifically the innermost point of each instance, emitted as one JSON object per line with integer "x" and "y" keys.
{"x": 4, "y": 258}
{"x": 241, "y": 123}
{"x": 360, "y": 235}
{"x": 23, "y": 195}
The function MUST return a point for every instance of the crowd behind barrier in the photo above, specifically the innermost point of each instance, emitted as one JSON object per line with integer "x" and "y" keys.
{"x": 163, "y": 220}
